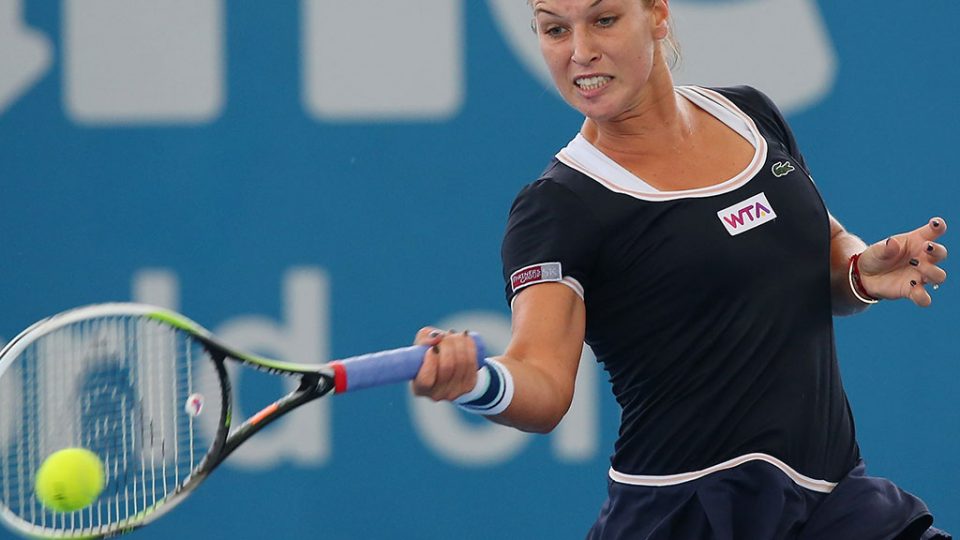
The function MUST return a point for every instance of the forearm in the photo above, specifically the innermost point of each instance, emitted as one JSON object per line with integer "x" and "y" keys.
{"x": 530, "y": 387}
{"x": 543, "y": 356}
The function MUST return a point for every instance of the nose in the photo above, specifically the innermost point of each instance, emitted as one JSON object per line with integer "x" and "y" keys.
{"x": 584, "y": 49}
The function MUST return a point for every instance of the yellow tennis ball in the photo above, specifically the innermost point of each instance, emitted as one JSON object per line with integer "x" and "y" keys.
{"x": 70, "y": 479}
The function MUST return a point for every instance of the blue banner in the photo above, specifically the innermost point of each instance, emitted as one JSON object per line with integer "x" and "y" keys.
{"x": 313, "y": 180}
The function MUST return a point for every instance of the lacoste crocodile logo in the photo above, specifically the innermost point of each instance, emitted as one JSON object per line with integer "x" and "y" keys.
{"x": 782, "y": 168}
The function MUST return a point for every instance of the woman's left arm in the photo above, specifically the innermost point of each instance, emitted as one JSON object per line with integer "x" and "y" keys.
{"x": 898, "y": 267}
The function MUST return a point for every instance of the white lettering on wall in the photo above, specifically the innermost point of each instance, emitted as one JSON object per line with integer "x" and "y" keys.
{"x": 10, "y": 407}
{"x": 162, "y": 61}
{"x": 577, "y": 438}
{"x": 143, "y": 61}
{"x": 25, "y": 54}
{"x": 411, "y": 69}
{"x": 157, "y": 287}
{"x": 302, "y": 437}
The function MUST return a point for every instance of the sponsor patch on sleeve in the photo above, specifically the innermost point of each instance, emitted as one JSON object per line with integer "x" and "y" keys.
{"x": 535, "y": 273}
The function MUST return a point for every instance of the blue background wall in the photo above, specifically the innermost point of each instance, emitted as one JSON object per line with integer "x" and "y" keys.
{"x": 304, "y": 234}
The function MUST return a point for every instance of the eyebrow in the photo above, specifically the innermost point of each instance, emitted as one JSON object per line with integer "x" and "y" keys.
{"x": 541, "y": 10}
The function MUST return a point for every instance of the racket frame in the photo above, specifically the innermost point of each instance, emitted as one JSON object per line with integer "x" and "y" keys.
{"x": 316, "y": 380}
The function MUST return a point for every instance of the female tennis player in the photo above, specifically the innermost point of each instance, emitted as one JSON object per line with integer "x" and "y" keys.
{"x": 681, "y": 236}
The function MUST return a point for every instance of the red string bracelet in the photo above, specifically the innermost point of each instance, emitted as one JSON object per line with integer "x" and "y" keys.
{"x": 856, "y": 284}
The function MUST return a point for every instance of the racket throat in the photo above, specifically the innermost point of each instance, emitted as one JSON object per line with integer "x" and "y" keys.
{"x": 312, "y": 386}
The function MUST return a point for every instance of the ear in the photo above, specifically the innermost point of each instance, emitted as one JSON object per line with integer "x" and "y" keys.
{"x": 661, "y": 19}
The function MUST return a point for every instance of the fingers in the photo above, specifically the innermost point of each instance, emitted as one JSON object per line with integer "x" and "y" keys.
{"x": 428, "y": 336}
{"x": 935, "y": 252}
{"x": 923, "y": 274}
{"x": 427, "y": 376}
{"x": 449, "y": 367}
{"x": 906, "y": 265}
{"x": 933, "y": 229}
{"x": 930, "y": 273}
{"x": 454, "y": 368}
{"x": 926, "y": 263}
{"x": 918, "y": 294}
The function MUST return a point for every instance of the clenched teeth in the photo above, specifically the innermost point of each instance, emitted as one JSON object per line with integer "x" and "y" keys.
{"x": 592, "y": 83}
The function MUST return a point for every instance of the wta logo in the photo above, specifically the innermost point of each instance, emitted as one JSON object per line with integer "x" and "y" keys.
{"x": 746, "y": 215}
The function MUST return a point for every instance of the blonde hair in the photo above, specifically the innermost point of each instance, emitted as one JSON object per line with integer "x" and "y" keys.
{"x": 673, "y": 58}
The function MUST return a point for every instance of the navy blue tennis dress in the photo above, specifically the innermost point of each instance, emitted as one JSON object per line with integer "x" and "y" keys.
{"x": 710, "y": 309}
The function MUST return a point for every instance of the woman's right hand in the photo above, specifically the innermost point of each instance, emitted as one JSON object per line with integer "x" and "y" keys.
{"x": 449, "y": 368}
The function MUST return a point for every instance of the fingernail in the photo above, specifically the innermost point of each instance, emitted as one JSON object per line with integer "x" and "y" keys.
{"x": 936, "y": 223}
{"x": 466, "y": 332}
{"x": 436, "y": 349}
{"x": 913, "y": 283}
{"x": 929, "y": 247}
{"x": 914, "y": 262}
{"x": 434, "y": 334}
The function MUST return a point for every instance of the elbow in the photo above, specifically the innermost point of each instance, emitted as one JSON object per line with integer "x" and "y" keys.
{"x": 552, "y": 406}
{"x": 536, "y": 425}
{"x": 548, "y": 418}
{"x": 542, "y": 428}
{"x": 540, "y": 420}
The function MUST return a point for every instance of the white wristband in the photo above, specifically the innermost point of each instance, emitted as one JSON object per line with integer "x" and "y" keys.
{"x": 493, "y": 391}
{"x": 483, "y": 382}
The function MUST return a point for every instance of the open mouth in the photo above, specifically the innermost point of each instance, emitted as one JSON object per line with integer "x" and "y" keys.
{"x": 593, "y": 82}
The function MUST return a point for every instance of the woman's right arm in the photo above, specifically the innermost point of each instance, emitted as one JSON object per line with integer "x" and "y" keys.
{"x": 549, "y": 322}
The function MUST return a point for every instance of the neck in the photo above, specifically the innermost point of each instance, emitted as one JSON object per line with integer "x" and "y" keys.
{"x": 659, "y": 123}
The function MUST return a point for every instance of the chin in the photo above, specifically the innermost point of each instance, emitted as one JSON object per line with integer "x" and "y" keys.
{"x": 592, "y": 109}
{"x": 596, "y": 114}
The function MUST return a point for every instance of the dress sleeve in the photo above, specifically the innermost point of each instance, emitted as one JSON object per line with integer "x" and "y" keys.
{"x": 551, "y": 236}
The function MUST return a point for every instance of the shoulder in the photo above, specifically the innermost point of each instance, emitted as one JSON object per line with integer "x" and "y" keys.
{"x": 748, "y": 98}
{"x": 765, "y": 113}
{"x": 559, "y": 189}
{"x": 553, "y": 224}
{"x": 762, "y": 110}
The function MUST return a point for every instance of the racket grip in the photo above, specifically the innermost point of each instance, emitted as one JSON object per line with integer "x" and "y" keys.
{"x": 388, "y": 367}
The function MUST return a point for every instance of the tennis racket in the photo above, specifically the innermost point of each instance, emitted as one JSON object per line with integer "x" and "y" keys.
{"x": 148, "y": 391}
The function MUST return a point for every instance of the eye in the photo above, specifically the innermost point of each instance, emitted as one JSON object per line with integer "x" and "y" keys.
{"x": 606, "y": 22}
{"x": 554, "y": 30}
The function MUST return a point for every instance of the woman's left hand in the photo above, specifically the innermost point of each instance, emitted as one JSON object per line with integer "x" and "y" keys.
{"x": 901, "y": 265}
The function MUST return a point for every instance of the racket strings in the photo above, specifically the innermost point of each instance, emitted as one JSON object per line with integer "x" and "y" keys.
{"x": 118, "y": 386}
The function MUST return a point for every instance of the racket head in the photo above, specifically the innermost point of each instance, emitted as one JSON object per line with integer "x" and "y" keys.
{"x": 139, "y": 386}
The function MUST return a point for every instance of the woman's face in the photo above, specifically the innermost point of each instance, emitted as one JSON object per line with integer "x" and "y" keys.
{"x": 600, "y": 52}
